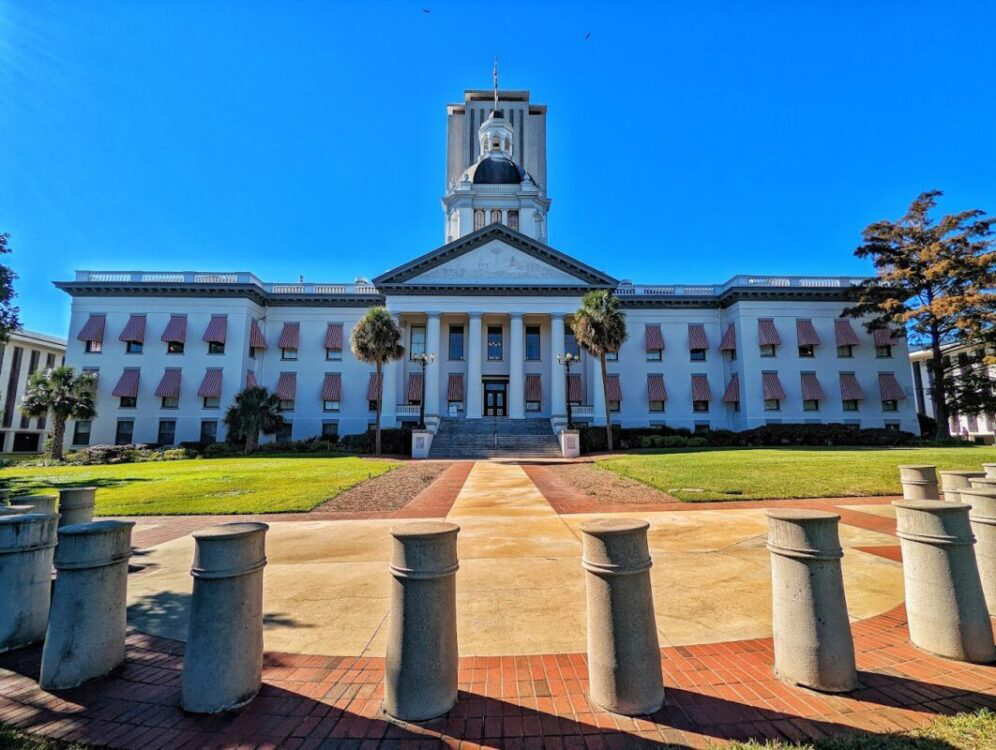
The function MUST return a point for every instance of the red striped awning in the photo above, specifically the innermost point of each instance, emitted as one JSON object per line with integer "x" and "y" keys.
{"x": 697, "y": 338}
{"x": 729, "y": 342}
{"x": 127, "y": 386}
{"x": 700, "y": 388}
{"x": 844, "y": 333}
{"x": 772, "y": 386}
{"x": 811, "y": 389}
{"x": 885, "y": 336}
{"x": 333, "y": 336}
{"x": 169, "y": 385}
{"x": 134, "y": 329}
{"x": 454, "y": 387}
{"x": 653, "y": 338}
{"x": 251, "y": 379}
{"x": 217, "y": 330}
{"x": 211, "y": 385}
{"x": 256, "y": 338}
{"x": 732, "y": 393}
{"x": 767, "y": 334}
{"x": 290, "y": 336}
{"x": 806, "y": 333}
{"x": 93, "y": 329}
{"x": 850, "y": 389}
{"x": 176, "y": 329}
{"x": 889, "y": 387}
{"x": 613, "y": 388}
{"x": 575, "y": 392}
{"x": 414, "y": 386}
{"x": 655, "y": 388}
{"x": 332, "y": 387}
{"x": 287, "y": 386}
{"x": 373, "y": 387}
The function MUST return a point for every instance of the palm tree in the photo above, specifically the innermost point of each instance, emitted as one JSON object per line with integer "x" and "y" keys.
{"x": 64, "y": 393}
{"x": 375, "y": 340}
{"x": 599, "y": 328}
{"x": 255, "y": 410}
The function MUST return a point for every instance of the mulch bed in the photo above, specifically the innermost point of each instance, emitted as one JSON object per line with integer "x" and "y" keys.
{"x": 605, "y": 486}
{"x": 388, "y": 491}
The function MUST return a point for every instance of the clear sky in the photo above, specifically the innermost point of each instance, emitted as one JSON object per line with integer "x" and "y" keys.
{"x": 688, "y": 142}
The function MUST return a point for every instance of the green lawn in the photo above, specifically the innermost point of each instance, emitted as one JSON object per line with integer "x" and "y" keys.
{"x": 760, "y": 473}
{"x": 221, "y": 485}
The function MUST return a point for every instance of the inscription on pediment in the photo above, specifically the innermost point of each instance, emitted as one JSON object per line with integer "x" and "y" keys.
{"x": 495, "y": 263}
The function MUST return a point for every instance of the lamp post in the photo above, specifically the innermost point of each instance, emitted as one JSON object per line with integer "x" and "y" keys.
{"x": 567, "y": 360}
{"x": 423, "y": 359}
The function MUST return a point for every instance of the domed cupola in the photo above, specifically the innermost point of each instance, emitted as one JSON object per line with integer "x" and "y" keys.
{"x": 496, "y": 165}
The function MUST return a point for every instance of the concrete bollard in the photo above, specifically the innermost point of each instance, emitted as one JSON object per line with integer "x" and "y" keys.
{"x": 952, "y": 481}
{"x": 420, "y": 680}
{"x": 945, "y": 605}
{"x": 990, "y": 470}
{"x": 86, "y": 627}
{"x": 44, "y": 504}
{"x": 76, "y": 505}
{"x": 27, "y": 543}
{"x": 983, "y": 520}
{"x": 919, "y": 482}
{"x": 983, "y": 483}
{"x": 812, "y": 633}
{"x": 624, "y": 658}
{"x": 223, "y": 661}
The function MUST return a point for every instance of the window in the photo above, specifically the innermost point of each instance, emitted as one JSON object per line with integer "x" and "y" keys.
{"x": 735, "y": 405}
{"x": 372, "y": 405}
{"x": 170, "y": 402}
{"x": 890, "y": 405}
{"x": 128, "y": 402}
{"x": 810, "y": 404}
{"x": 767, "y": 350}
{"x": 772, "y": 404}
{"x": 571, "y": 344}
{"x": 288, "y": 354}
{"x": 702, "y": 427}
{"x": 495, "y": 343}
{"x": 850, "y": 404}
{"x": 732, "y": 354}
{"x": 456, "y": 343}
{"x": 93, "y": 347}
{"x": 81, "y": 432}
{"x": 123, "y": 433}
{"x": 892, "y": 426}
{"x": 656, "y": 406}
{"x": 496, "y": 216}
{"x": 330, "y": 406}
{"x": 287, "y": 404}
{"x": 330, "y": 430}
{"x": 216, "y": 347}
{"x": 697, "y": 355}
{"x": 252, "y": 352}
{"x": 613, "y": 406}
{"x": 209, "y": 431}
{"x": 167, "y": 432}
{"x": 883, "y": 352}
{"x": 611, "y": 356}
{"x": 333, "y": 354}
{"x": 133, "y": 347}
{"x": 700, "y": 406}
{"x": 530, "y": 405}
{"x": 211, "y": 402}
{"x": 478, "y": 218}
{"x": 532, "y": 342}
{"x": 846, "y": 351}
{"x": 174, "y": 347}
{"x": 416, "y": 341}
{"x": 807, "y": 350}
{"x": 284, "y": 432}
{"x": 513, "y": 219}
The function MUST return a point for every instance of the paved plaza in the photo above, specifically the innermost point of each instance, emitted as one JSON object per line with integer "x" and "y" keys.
{"x": 520, "y": 598}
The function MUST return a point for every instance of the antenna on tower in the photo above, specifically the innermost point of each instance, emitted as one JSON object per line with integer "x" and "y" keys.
{"x": 494, "y": 78}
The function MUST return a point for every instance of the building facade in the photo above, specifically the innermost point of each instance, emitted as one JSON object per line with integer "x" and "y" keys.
{"x": 979, "y": 428}
{"x": 494, "y": 306}
{"x": 23, "y": 354}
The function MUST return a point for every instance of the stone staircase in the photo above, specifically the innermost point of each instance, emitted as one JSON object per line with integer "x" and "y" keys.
{"x": 494, "y": 437}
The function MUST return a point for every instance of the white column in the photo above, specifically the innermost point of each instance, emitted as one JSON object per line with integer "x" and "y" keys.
{"x": 516, "y": 367}
{"x": 389, "y": 408}
{"x": 598, "y": 392}
{"x": 473, "y": 385}
{"x": 432, "y": 369}
{"x": 558, "y": 376}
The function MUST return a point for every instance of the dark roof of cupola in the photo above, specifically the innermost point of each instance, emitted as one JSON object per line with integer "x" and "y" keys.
{"x": 496, "y": 170}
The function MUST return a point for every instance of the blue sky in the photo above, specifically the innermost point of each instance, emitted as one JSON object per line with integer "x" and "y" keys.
{"x": 688, "y": 142}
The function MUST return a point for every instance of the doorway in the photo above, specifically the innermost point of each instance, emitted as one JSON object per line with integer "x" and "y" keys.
{"x": 495, "y": 398}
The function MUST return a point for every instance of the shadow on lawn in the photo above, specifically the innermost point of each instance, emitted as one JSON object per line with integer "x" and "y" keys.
{"x": 29, "y": 485}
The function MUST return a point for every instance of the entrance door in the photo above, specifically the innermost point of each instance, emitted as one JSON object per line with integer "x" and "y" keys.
{"x": 494, "y": 399}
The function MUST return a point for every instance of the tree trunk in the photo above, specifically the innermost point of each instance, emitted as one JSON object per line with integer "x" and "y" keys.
{"x": 605, "y": 401}
{"x": 58, "y": 436}
{"x": 939, "y": 392}
{"x": 380, "y": 405}
{"x": 252, "y": 439}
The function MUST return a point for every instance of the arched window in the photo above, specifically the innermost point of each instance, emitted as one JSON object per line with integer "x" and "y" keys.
{"x": 496, "y": 216}
{"x": 513, "y": 219}
{"x": 478, "y": 218}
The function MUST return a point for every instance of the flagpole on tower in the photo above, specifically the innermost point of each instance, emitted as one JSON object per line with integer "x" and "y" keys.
{"x": 494, "y": 78}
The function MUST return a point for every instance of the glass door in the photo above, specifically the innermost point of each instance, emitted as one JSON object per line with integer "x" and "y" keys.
{"x": 494, "y": 399}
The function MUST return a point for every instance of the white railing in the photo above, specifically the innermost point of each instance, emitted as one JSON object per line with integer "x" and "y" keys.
{"x": 582, "y": 412}
{"x": 194, "y": 277}
{"x": 628, "y": 289}
{"x": 407, "y": 410}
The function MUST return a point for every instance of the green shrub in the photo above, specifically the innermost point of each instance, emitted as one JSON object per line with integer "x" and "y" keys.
{"x": 696, "y": 442}
{"x": 673, "y": 441}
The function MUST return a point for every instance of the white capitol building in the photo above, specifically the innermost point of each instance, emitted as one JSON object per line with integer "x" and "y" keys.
{"x": 493, "y": 304}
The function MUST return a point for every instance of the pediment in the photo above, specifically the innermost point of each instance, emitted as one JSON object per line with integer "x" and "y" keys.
{"x": 495, "y": 256}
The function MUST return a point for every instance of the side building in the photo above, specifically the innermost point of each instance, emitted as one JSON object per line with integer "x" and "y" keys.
{"x": 21, "y": 355}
